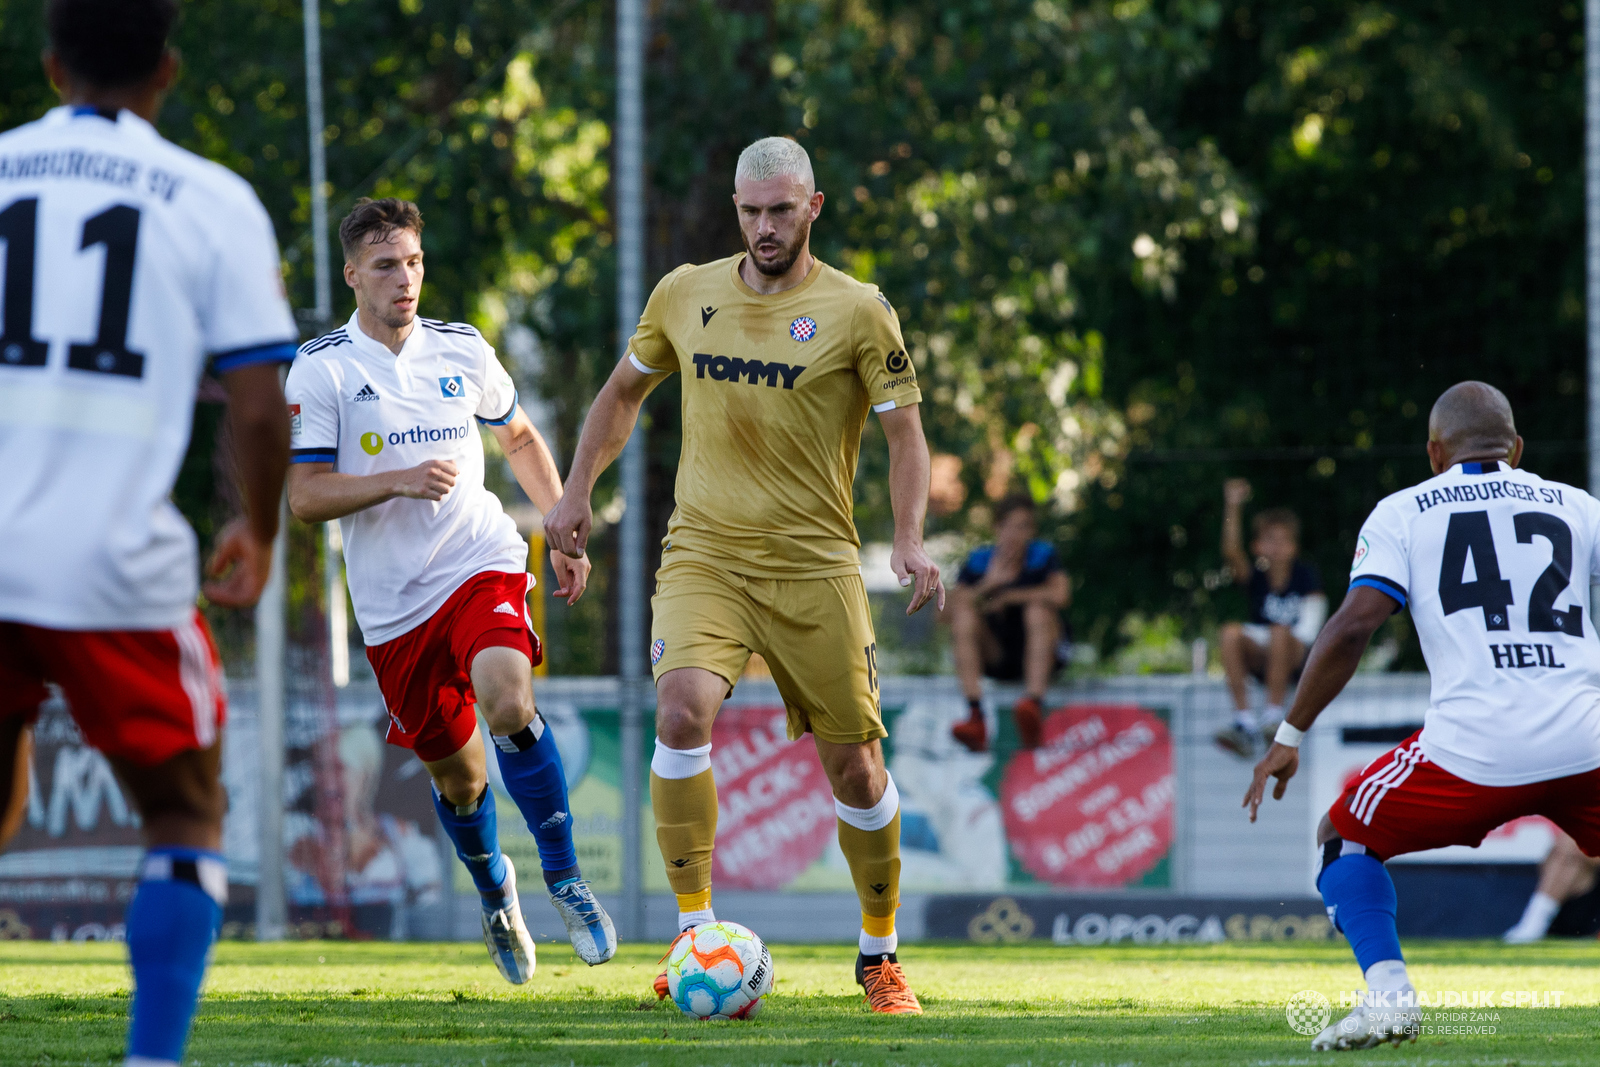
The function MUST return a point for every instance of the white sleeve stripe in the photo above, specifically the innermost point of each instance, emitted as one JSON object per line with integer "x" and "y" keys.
{"x": 887, "y": 405}
{"x": 641, "y": 367}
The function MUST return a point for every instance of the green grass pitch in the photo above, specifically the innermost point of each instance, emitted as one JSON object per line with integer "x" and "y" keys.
{"x": 333, "y": 1004}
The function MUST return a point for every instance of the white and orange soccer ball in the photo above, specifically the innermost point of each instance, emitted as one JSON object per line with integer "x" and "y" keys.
{"x": 720, "y": 971}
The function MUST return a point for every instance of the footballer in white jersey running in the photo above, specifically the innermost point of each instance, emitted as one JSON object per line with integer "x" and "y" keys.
{"x": 384, "y": 415}
{"x": 1494, "y": 564}
{"x": 131, "y": 267}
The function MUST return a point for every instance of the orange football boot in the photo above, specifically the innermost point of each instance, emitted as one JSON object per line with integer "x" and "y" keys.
{"x": 885, "y": 986}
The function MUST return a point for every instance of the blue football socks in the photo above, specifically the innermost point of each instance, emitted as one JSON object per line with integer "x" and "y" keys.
{"x": 530, "y": 766}
{"x": 171, "y": 923}
{"x": 473, "y": 830}
{"x": 1360, "y": 898}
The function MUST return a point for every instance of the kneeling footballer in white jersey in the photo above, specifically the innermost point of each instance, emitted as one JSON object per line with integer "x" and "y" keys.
{"x": 383, "y": 438}
{"x": 1495, "y": 565}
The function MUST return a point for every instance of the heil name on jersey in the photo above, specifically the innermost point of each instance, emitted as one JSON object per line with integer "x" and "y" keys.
{"x": 1495, "y": 565}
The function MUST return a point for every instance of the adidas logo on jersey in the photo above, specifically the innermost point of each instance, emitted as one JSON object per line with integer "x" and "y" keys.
{"x": 367, "y": 393}
{"x": 732, "y": 368}
{"x": 505, "y": 608}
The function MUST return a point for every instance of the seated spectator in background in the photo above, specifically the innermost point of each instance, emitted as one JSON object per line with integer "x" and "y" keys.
{"x": 1565, "y": 874}
{"x": 1005, "y": 620}
{"x": 1287, "y": 608}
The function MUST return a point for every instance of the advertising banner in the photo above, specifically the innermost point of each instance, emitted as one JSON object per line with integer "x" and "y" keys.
{"x": 69, "y": 872}
{"x": 1145, "y": 920}
{"x": 1090, "y": 809}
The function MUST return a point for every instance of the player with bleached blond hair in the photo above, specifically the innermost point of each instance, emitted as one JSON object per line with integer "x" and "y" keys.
{"x": 781, "y": 357}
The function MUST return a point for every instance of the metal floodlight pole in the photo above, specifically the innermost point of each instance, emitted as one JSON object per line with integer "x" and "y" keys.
{"x": 630, "y": 593}
{"x": 1591, "y": 186}
{"x": 333, "y": 546}
{"x": 316, "y": 124}
{"x": 272, "y": 910}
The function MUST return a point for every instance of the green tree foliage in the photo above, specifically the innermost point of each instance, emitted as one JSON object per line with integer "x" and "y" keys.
{"x": 1419, "y": 178}
{"x": 1136, "y": 246}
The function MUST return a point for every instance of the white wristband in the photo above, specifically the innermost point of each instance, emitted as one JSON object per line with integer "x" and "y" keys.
{"x": 1288, "y": 736}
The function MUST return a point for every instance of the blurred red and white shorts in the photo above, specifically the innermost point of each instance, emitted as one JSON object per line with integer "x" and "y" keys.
{"x": 139, "y": 695}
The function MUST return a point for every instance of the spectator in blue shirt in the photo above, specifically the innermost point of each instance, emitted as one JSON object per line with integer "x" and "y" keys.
{"x": 1005, "y": 620}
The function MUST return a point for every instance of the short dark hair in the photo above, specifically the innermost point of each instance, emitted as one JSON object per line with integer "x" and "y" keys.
{"x": 1012, "y": 503}
{"x": 1280, "y": 517}
{"x": 110, "y": 43}
{"x": 377, "y": 219}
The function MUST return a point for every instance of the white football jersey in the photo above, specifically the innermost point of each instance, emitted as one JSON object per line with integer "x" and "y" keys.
{"x": 129, "y": 263}
{"x": 355, "y": 404}
{"x": 1495, "y": 565}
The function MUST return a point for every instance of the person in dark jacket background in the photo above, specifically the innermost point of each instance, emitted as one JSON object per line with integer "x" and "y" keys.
{"x": 1005, "y": 620}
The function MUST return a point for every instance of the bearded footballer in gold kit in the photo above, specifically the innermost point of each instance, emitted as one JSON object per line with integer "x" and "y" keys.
{"x": 782, "y": 357}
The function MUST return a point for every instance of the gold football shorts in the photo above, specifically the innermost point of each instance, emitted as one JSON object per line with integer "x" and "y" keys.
{"x": 815, "y": 634}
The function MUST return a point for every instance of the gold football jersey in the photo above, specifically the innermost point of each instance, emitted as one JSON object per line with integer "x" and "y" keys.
{"x": 776, "y": 391}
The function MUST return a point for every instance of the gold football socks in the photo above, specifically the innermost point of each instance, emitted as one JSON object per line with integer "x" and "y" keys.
{"x": 683, "y": 795}
{"x": 870, "y": 841}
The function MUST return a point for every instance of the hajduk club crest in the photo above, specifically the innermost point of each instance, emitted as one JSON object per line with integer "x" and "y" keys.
{"x": 803, "y": 329}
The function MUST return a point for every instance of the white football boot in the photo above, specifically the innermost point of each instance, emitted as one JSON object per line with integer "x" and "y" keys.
{"x": 589, "y": 928}
{"x": 506, "y": 935}
{"x": 1369, "y": 1027}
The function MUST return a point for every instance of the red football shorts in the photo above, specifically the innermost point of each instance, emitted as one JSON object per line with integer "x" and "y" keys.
{"x": 425, "y": 674}
{"x": 1403, "y": 802}
{"x": 139, "y": 695}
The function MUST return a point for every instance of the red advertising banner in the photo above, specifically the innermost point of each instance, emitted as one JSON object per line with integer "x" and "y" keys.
{"x": 775, "y": 809}
{"x": 1092, "y": 807}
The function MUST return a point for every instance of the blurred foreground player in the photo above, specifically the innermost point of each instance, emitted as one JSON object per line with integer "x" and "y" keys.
{"x": 384, "y": 415}
{"x": 1495, "y": 564}
{"x": 781, "y": 358}
{"x": 130, "y": 266}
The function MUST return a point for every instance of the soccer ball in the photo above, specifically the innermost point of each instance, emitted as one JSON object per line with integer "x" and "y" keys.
{"x": 720, "y": 971}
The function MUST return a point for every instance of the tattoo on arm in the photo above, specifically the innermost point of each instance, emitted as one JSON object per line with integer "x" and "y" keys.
{"x": 520, "y": 447}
